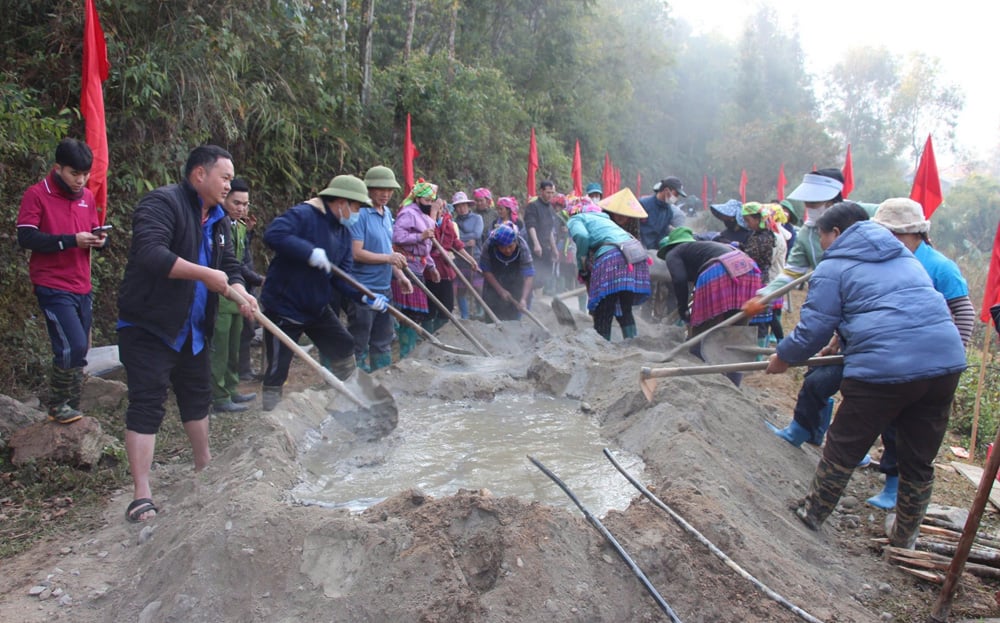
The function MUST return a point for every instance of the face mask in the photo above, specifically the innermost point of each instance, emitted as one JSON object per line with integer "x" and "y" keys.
{"x": 813, "y": 214}
{"x": 350, "y": 220}
{"x": 672, "y": 200}
{"x": 426, "y": 209}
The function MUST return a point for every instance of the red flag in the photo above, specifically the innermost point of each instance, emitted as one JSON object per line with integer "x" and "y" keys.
{"x": 926, "y": 183}
{"x": 992, "y": 281}
{"x": 606, "y": 175}
{"x": 577, "y": 173}
{"x": 532, "y": 163}
{"x": 848, "y": 172}
{"x": 743, "y": 186}
{"x": 95, "y": 72}
{"x": 410, "y": 153}
{"x": 638, "y": 184}
{"x": 704, "y": 192}
{"x": 782, "y": 182}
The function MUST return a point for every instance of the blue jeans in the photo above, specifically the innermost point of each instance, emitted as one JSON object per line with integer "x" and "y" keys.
{"x": 820, "y": 383}
{"x": 68, "y": 317}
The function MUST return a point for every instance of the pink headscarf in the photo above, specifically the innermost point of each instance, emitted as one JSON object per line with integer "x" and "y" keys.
{"x": 511, "y": 204}
{"x": 482, "y": 192}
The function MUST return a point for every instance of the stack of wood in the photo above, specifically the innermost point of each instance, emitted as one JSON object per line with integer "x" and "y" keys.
{"x": 936, "y": 545}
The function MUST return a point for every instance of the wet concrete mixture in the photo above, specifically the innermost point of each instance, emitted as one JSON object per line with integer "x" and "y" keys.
{"x": 240, "y": 541}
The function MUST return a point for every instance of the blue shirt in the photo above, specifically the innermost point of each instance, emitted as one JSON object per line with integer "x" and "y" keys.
{"x": 374, "y": 230}
{"x": 194, "y": 325}
{"x": 947, "y": 278}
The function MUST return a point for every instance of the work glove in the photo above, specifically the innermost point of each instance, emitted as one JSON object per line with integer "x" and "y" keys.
{"x": 318, "y": 259}
{"x": 378, "y": 304}
{"x": 755, "y": 306}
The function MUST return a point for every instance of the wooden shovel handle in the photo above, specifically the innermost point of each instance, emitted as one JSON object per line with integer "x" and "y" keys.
{"x": 749, "y": 366}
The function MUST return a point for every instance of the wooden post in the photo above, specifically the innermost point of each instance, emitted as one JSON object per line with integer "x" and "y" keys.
{"x": 979, "y": 394}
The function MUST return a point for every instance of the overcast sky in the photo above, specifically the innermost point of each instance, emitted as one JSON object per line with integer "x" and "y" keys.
{"x": 959, "y": 32}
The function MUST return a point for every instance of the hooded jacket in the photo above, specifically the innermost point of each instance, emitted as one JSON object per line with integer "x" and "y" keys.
{"x": 894, "y": 327}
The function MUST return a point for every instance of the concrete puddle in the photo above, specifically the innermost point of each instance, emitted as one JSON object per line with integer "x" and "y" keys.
{"x": 440, "y": 447}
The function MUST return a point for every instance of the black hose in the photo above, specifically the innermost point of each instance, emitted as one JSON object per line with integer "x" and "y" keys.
{"x": 715, "y": 550}
{"x": 607, "y": 535}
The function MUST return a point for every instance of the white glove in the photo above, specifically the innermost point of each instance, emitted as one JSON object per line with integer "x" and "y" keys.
{"x": 378, "y": 304}
{"x": 319, "y": 260}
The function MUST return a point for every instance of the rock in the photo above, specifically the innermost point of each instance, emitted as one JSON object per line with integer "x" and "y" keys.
{"x": 145, "y": 534}
{"x": 103, "y": 394}
{"x": 886, "y": 616}
{"x": 45, "y": 594}
{"x": 15, "y": 415}
{"x": 885, "y": 588}
{"x": 79, "y": 444}
{"x": 36, "y": 590}
{"x": 849, "y": 502}
{"x": 150, "y": 612}
{"x": 66, "y": 600}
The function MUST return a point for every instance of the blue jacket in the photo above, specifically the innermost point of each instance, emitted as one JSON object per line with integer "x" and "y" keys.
{"x": 661, "y": 217}
{"x": 894, "y": 327}
{"x": 294, "y": 289}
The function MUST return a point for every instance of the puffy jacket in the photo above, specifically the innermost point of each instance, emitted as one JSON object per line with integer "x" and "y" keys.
{"x": 594, "y": 230}
{"x": 894, "y": 327}
{"x": 167, "y": 225}
{"x": 294, "y": 289}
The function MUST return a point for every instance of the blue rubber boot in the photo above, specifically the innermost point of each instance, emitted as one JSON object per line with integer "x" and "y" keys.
{"x": 463, "y": 307}
{"x": 794, "y": 433}
{"x": 381, "y": 360}
{"x": 825, "y": 416}
{"x": 886, "y": 498}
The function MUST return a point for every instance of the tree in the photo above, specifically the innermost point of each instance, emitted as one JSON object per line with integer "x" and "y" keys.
{"x": 924, "y": 104}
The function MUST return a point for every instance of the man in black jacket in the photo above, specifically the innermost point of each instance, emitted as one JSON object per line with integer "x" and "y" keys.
{"x": 181, "y": 258}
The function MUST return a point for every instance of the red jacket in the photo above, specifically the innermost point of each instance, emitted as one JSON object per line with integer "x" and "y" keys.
{"x": 446, "y": 233}
{"x": 56, "y": 262}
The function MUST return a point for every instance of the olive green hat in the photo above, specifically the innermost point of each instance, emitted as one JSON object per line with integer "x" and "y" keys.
{"x": 381, "y": 177}
{"x": 347, "y": 187}
{"x": 676, "y": 236}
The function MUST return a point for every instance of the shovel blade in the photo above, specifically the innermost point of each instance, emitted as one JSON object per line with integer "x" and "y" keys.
{"x": 562, "y": 313}
{"x": 377, "y": 419}
{"x": 647, "y": 384}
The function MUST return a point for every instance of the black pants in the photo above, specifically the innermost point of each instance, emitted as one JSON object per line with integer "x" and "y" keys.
{"x": 326, "y": 332}
{"x": 605, "y": 312}
{"x": 918, "y": 409}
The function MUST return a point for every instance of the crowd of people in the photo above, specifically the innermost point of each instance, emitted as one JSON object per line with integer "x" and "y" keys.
{"x": 879, "y": 294}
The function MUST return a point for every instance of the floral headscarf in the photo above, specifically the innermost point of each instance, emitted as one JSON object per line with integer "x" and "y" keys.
{"x": 423, "y": 190}
{"x": 580, "y": 205}
{"x": 511, "y": 204}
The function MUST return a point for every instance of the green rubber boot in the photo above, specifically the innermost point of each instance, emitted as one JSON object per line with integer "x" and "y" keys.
{"x": 828, "y": 485}
{"x": 381, "y": 360}
{"x": 407, "y": 340}
{"x": 362, "y": 361}
{"x": 911, "y": 504}
{"x": 62, "y": 389}
{"x": 629, "y": 331}
{"x": 343, "y": 368}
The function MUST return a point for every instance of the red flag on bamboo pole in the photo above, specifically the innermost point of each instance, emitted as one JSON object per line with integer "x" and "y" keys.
{"x": 577, "y": 173}
{"x": 782, "y": 182}
{"x": 926, "y": 183}
{"x": 410, "y": 153}
{"x": 95, "y": 72}
{"x": 992, "y": 294}
{"x": 606, "y": 181}
{"x": 743, "y": 186}
{"x": 848, "y": 172}
{"x": 532, "y": 163}
{"x": 704, "y": 192}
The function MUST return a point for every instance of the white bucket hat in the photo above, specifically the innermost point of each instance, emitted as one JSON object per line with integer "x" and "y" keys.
{"x": 902, "y": 216}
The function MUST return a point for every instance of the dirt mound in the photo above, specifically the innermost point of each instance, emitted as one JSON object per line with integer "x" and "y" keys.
{"x": 231, "y": 544}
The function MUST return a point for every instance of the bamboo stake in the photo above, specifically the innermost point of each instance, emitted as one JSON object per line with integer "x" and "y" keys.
{"x": 979, "y": 394}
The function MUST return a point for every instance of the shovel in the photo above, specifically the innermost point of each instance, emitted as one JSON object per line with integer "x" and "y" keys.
{"x": 400, "y": 316}
{"x": 468, "y": 285}
{"x": 444, "y": 310}
{"x": 563, "y": 313}
{"x": 788, "y": 287}
{"x": 648, "y": 376}
{"x": 376, "y": 418}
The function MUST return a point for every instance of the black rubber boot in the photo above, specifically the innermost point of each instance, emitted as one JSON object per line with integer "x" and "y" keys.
{"x": 828, "y": 485}
{"x": 271, "y": 398}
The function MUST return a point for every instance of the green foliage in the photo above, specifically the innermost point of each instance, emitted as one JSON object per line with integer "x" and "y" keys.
{"x": 965, "y": 400}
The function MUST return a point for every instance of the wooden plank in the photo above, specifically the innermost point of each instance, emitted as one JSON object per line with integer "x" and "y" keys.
{"x": 975, "y": 473}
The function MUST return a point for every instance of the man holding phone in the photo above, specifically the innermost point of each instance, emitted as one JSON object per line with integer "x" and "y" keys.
{"x": 59, "y": 224}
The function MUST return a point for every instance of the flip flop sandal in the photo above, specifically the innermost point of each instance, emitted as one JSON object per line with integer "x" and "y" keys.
{"x": 136, "y": 509}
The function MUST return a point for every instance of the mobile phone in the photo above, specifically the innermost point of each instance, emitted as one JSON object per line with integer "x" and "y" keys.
{"x": 101, "y": 229}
